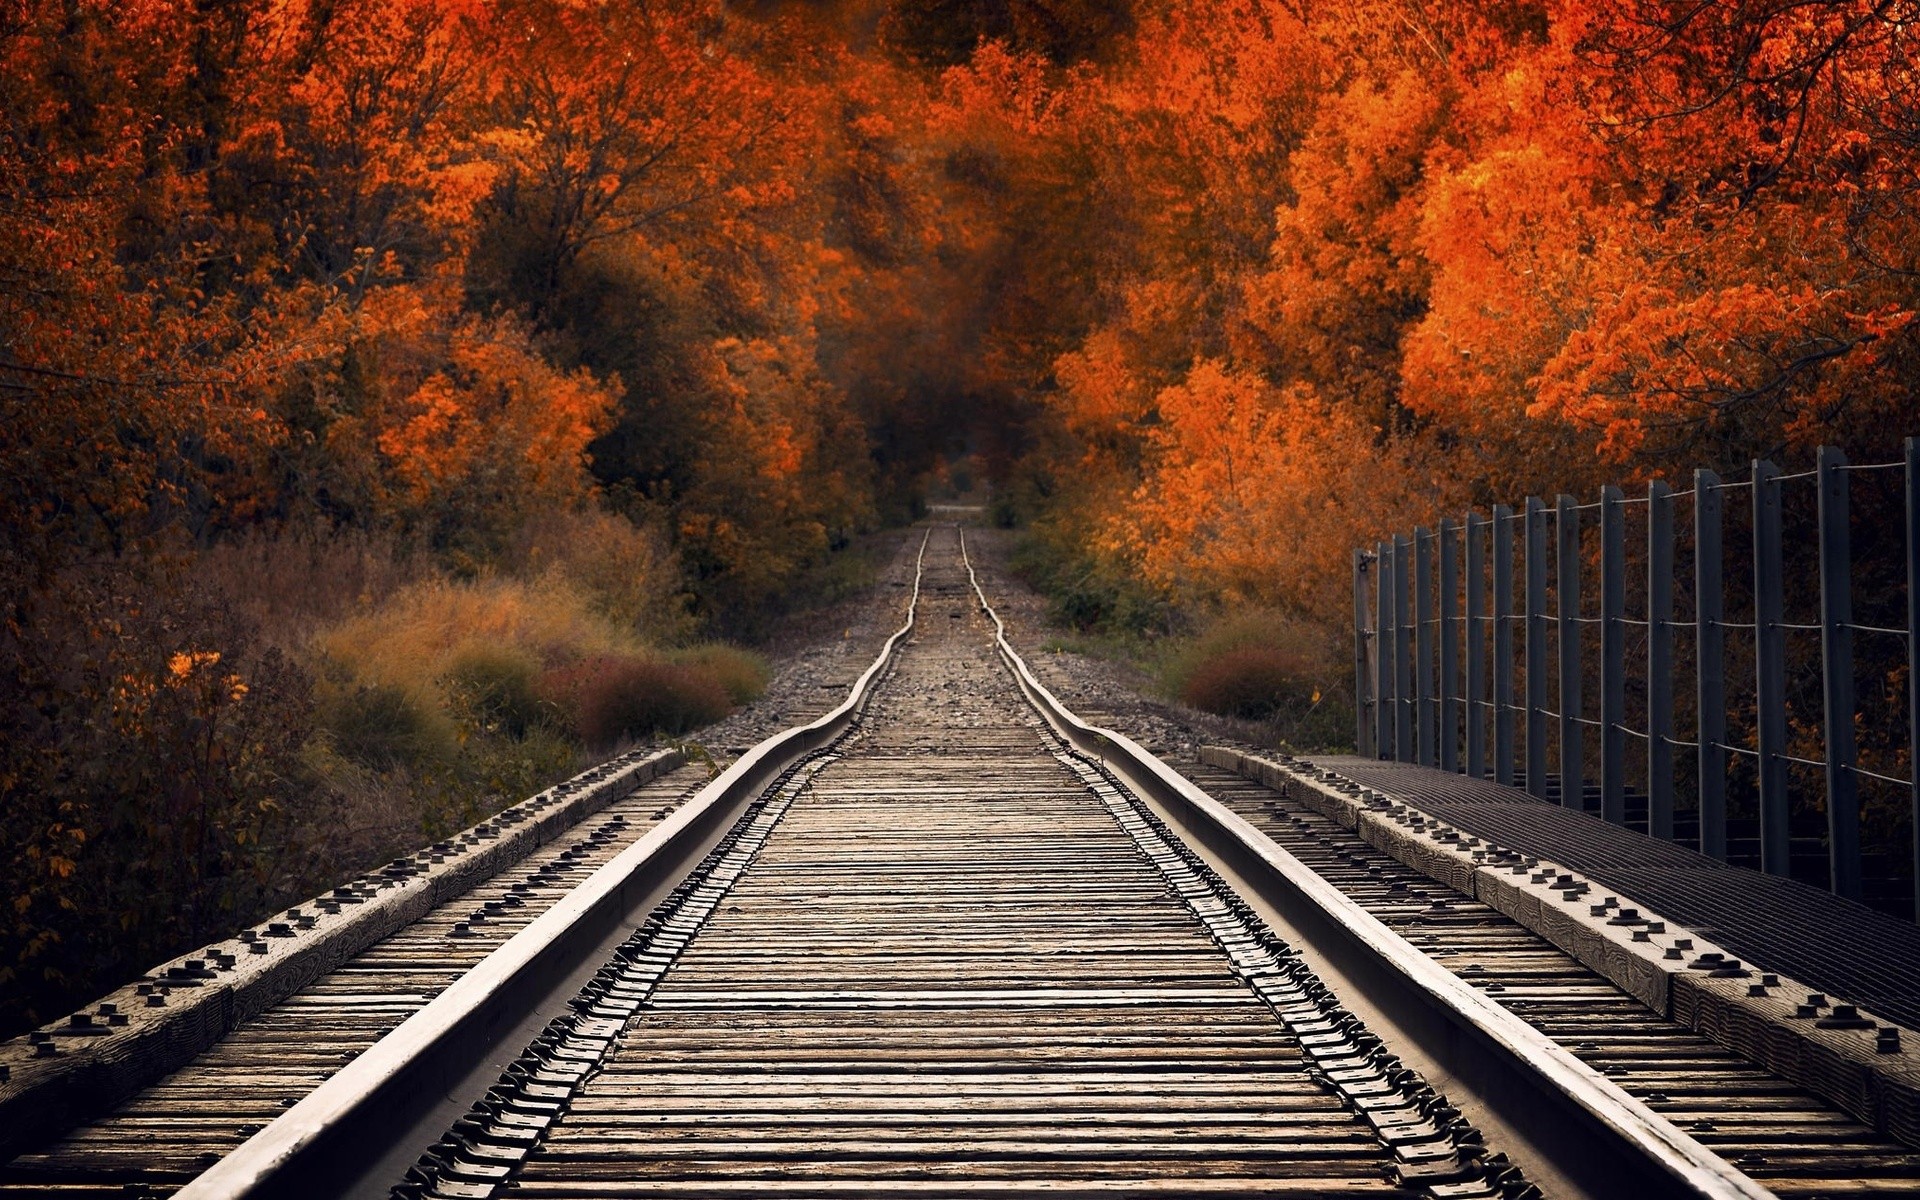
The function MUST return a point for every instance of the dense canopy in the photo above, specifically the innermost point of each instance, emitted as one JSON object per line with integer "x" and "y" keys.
{"x": 1211, "y": 291}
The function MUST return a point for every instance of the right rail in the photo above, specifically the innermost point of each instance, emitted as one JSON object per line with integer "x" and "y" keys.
{"x": 953, "y": 938}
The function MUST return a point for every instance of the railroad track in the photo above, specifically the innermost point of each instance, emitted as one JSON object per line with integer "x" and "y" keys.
{"x": 950, "y": 939}
{"x": 190, "y": 1118}
{"x": 1792, "y": 1142}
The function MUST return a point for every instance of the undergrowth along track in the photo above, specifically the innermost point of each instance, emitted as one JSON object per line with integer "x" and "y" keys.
{"x": 950, "y": 939}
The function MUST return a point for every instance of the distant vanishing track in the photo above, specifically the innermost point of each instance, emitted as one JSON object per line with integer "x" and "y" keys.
{"x": 947, "y": 939}
{"x": 948, "y": 966}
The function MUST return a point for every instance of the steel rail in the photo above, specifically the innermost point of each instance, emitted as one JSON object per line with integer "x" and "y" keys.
{"x": 65, "y": 1075}
{"x": 320, "y": 1146}
{"x": 1562, "y": 1119}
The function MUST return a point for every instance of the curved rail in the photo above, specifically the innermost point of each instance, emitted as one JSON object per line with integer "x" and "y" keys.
{"x": 1572, "y": 1123}
{"x": 1561, "y": 1120}
{"x": 319, "y": 1144}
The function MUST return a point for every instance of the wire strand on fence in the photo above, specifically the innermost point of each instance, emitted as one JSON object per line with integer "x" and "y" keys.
{"x": 1587, "y": 721}
{"x": 1900, "y": 633}
{"x": 1792, "y": 625}
{"x": 1805, "y": 762}
{"x": 1683, "y": 743}
{"x": 1859, "y": 770}
{"x": 1886, "y": 466}
{"x": 1631, "y": 732}
{"x": 1736, "y": 750}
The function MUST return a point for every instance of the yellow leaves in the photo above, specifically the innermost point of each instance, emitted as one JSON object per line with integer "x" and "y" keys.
{"x": 183, "y": 663}
{"x": 459, "y": 401}
{"x": 1100, "y": 395}
{"x": 1253, "y": 494}
{"x": 457, "y": 189}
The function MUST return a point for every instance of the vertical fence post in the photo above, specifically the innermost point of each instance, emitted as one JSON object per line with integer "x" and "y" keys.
{"x": 1573, "y": 779}
{"x": 1402, "y": 652}
{"x": 1836, "y": 669}
{"x": 1361, "y": 723}
{"x": 1613, "y": 656}
{"x": 1449, "y": 647}
{"x": 1913, "y": 655}
{"x": 1476, "y": 698}
{"x": 1423, "y": 641}
{"x": 1660, "y": 660}
{"x": 1503, "y": 522}
{"x": 1770, "y": 668}
{"x": 1383, "y": 693}
{"x": 1536, "y": 620}
{"x": 1710, "y": 665}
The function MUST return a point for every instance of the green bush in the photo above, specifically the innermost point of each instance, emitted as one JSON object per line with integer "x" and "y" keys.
{"x": 495, "y": 771}
{"x": 496, "y": 689}
{"x": 1003, "y": 512}
{"x": 743, "y": 673}
{"x": 1269, "y": 666}
{"x": 384, "y": 726}
{"x": 1086, "y": 594}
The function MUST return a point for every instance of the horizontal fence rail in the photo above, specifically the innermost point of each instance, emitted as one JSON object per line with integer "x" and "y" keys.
{"x": 1604, "y": 661}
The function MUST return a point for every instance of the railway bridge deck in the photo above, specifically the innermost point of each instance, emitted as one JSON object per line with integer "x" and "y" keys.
{"x": 951, "y": 939}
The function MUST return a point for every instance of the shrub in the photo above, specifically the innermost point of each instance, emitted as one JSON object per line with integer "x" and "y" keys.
{"x": 742, "y": 672}
{"x": 1248, "y": 681}
{"x": 1266, "y": 665}
{"x": 495, "y": 689}
{"x": 611, "y": 699}
{"x": 1086, "y": 594}
{"x": 151, "y": 790}
{"x": 1003, "y": 512}
{"x": 293, "y": 581}
{"x": 417, "y": 638}
{"x": 383, "y": 726}
{"x": 628, "y": 573}
{"x": 1252, "y": 663}
{"x": 493, "y": 772}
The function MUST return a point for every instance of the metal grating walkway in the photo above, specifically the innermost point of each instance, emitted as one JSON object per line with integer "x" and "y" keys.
{"x": 1844, "y": 948}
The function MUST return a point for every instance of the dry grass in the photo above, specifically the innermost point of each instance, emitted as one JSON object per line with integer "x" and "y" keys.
{"x": 414, "y": 638}
{"x": 741, "y": 672}
{"x": 611, "y": 700}
{"x": 289, "y": 584}
{"x": 627, "y": 573}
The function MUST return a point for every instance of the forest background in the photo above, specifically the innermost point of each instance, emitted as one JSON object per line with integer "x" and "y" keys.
{"x": 397, "y": 391}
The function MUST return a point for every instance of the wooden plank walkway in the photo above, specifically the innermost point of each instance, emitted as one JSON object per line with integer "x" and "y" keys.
{"x": 950, "y": 968}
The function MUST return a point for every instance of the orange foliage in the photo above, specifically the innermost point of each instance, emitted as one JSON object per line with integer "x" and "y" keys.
{"x": 1533, "y": 243}
{"x": 1249, "y": 493}
{"x": 1229, "y": 285}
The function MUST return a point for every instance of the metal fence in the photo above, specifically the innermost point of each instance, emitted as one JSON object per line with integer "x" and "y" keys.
{"x": 1455, "y": 668}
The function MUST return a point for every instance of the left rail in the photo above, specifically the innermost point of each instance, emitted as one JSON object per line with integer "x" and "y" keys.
{"x": 316, "y": 1148}
{"x": 78, "y": 1068}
